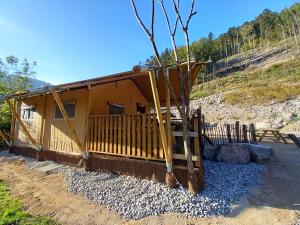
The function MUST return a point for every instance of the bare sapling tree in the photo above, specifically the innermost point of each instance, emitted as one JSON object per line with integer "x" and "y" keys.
{"x": 184, "y": 108}
{"x": 284, "y": 37}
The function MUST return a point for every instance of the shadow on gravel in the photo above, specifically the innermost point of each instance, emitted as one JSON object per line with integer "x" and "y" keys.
{"x": 280, "y": 181}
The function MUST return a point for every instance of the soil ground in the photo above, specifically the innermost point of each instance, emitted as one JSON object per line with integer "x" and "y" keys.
{"x": 276, "y": 201}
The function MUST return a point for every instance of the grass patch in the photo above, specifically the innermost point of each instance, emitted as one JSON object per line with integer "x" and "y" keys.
{"x": 257, "y": 86}
{"x": 295, "y": 118}
{"x": 262, "y": 95}
{"x": 12, "y": 211}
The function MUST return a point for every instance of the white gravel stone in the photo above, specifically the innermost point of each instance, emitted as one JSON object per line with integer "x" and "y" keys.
{"x": 135, "y": 198}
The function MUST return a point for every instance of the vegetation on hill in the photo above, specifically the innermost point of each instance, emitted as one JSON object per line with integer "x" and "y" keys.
{"x": 12, "y": 211}
{"x": 278, "y": 82}
{"x": 15, "y": 76}
{"x": 262, "y": 32}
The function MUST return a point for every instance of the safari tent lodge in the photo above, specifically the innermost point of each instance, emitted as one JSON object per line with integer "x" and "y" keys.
{"x": 113, "y": 123}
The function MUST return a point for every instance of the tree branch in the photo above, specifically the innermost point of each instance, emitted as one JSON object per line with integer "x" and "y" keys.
{"x": 139, "y": 19}
{"x": 177, "y": 12}
{"x": 172, "y": 33}
{"x": 152, "y": 20}
{"x": 192, "y": 13}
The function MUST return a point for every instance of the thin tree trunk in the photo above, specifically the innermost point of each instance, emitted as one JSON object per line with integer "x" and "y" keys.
{"x": 295, "y": 37}
{"x": 266, "y": 37}
{"x": 284, "y": 37}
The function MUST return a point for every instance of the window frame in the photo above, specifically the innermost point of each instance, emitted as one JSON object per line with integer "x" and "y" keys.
{"x": 28, "y": 107}
{"x": 116, "y": 105}
{"x": 66, "y": 103}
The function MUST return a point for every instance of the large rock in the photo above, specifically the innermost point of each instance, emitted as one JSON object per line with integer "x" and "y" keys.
{"x": 233, "y": 153}
{"x": 260, "y": 153}
{"x": 210, "y": 152}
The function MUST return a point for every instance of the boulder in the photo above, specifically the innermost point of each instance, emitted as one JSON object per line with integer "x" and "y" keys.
{"x": 278, "y": 123}
{"x": 233, "y": 153}
{"x": 260, "y": 153}
{"x": 210, "y": 152}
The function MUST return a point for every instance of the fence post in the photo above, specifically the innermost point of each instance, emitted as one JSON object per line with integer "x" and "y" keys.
{"x": 237, "y": 131}
{"x": 228, "y": 133}
{"x": 203, "y": 129}
{"x": 200, "y": 127}
{"x": 245, "y": 138}
{"x": 197, "y": 150}
{"x": 252, "y": 133}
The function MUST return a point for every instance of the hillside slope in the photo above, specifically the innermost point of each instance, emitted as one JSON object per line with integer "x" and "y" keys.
{"x": 270, "y": 94}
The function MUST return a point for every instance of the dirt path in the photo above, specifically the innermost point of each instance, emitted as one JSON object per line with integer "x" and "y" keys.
{"x": 47, "y": 195}
{"x": 277, "y": 201}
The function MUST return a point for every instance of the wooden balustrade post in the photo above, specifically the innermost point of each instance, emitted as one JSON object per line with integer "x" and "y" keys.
{"x": 228, "y": 133}
{"x": 252, "y": 133}
{"x": 203, "y": 129}
{"x": 200, "y": 133}
{"x": 245, "y": 135}
{"x": 237, "y": 131}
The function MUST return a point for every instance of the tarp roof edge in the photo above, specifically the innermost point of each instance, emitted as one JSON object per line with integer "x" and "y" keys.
{"x": 87, "y": 82}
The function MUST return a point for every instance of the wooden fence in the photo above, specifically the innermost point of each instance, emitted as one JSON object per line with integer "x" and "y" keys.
{"x": 295, "y": 127}
{"x": 216, "y": 134}
{"x": 134, "y": 136}
{"x": 126, "y": 135}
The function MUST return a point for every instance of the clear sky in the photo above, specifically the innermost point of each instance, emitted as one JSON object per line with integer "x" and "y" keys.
{"x": 80, "y": 39}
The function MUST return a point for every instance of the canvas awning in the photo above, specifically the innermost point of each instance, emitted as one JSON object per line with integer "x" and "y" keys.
{"x": 140, "y": 78}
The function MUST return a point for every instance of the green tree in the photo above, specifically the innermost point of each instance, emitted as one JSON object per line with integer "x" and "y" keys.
{"x": 14, "y": 78}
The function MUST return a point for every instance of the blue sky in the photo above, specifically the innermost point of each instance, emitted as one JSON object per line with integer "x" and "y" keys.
{"x": 80, "y": 39}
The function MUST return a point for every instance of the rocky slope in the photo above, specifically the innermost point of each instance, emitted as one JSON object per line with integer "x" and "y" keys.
{"x": 273, "y": 114}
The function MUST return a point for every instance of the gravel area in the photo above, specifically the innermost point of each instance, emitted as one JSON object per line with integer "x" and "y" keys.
{"x": 136, "y": 198}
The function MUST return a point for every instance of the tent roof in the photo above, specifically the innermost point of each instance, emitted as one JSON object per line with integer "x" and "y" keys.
{"x": 140, "y": 78}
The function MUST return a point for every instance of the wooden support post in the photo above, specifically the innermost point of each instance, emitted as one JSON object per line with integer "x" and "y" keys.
{"x": 159, "y": 117}
{"x": 168, "y": 121}
{"x": 200, "y": 127}
{"x": 237, "y": 131}
{"x": 4, "y": 137}
{"x": 43, "y": 120}
{"x": 228, "y": 133}
{"x": 252, "y": 133}
{"x": 13, "y": 125}
{"x": 67, "y": 120}
{"x": 245, "y": 135}
{"x": 203, "y": 129}
{"x": 86, "y": 126}
{"x": 196, "y": 140}
{"x": 26, "y": 132}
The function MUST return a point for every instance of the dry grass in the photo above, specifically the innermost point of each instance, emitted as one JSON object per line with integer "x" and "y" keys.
{"x": 259, "y": 86}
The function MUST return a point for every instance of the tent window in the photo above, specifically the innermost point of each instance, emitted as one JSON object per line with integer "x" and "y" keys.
{"x": 70, "y": 109}
{"x": 28, "y": 113}
{"x": 140, "y": 109}
{"x": 115, "y": 109}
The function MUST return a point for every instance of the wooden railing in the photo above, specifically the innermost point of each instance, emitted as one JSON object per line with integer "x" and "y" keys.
{"x": 292, "y": 128}
{"x": 216, "y": 134}
{"x": 134, "y": 136}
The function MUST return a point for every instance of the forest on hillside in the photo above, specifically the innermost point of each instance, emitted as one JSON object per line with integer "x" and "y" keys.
{"x": 266, "y": 29}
